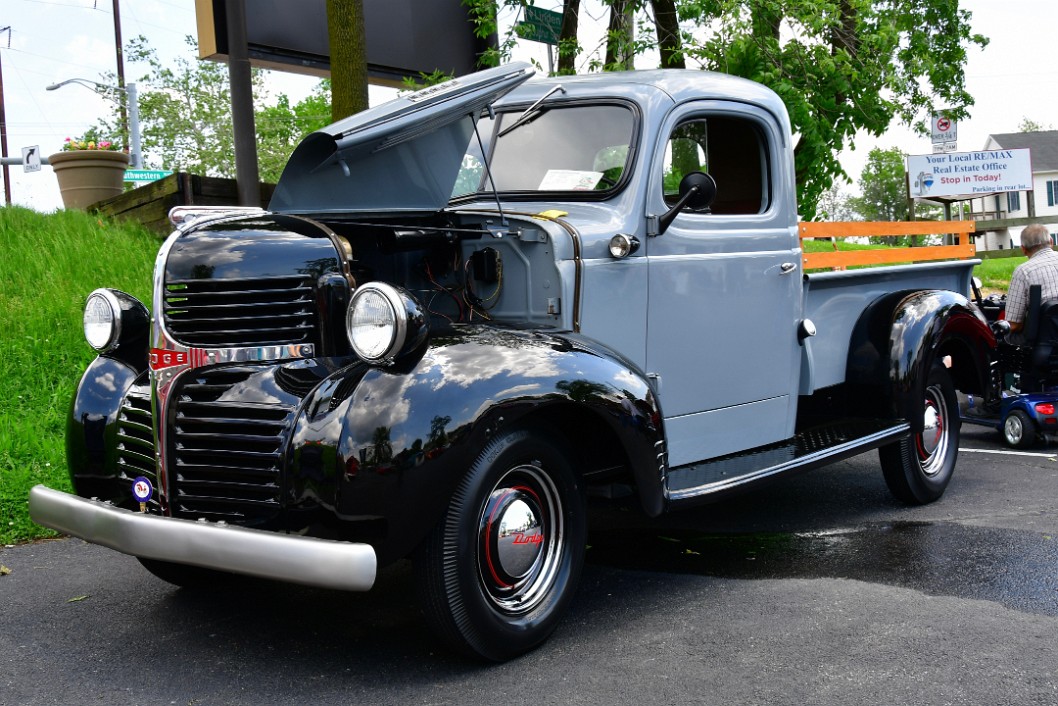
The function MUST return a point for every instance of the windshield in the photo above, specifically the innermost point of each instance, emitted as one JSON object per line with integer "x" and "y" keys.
{"x": 564, "y": 148}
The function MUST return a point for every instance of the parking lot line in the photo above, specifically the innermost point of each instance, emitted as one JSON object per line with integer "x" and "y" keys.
{"x": 1008, "y": 453}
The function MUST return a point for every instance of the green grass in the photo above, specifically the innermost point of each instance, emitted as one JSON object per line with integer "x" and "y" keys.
{"x": 994, "y": 273}
{"x": 49, "y": 263}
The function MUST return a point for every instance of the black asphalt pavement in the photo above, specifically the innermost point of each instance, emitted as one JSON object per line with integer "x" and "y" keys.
{"x": 819, "y": 589}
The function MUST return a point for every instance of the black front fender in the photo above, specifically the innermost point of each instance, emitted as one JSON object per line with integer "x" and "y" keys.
{"x": 91, "y": 430}
{"x": 408, "y": 433}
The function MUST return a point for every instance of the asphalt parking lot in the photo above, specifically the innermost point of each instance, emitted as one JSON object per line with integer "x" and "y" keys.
{"x": 819, "y": 589}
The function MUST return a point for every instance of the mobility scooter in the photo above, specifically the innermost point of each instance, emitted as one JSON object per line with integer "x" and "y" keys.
{"x": 1024, "y": 407}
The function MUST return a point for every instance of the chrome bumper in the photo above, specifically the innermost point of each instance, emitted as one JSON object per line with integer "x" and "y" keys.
{"x": 305, "y": 560}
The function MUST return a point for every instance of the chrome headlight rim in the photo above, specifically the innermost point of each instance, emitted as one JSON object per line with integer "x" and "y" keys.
{"x": 409, "y": 326}
{"x": 110, "y": 300}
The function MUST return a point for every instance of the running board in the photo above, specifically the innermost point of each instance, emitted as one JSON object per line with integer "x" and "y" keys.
{"x": 710, "y": 480}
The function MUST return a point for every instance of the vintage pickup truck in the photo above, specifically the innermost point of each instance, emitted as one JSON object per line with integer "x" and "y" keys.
{"x": 468, "y": 308}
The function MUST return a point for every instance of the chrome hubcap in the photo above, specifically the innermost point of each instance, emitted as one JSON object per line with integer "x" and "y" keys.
{"x": 520, "y": 540}
{"x": 931, "y": 430}
{"x": 932, "y": 444}
{"x": 520, "y": 536}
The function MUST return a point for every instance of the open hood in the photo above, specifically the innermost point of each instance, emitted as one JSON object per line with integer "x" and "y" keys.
{"x": 403, "y": 155}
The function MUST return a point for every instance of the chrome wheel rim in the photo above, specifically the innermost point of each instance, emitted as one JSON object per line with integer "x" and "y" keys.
{"x": 933, "y": 443}
{"x": 1014, "y": 430}
{"x": 520, "y": 540}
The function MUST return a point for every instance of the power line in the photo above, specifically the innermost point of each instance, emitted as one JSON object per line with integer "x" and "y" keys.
{"x": 3, "y": 125}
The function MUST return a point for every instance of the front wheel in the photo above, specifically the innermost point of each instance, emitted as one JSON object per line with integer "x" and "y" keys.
{"x": 1019, "y": 431}
{"x": 917, "y": 469}
{"x": 498, "y": 572}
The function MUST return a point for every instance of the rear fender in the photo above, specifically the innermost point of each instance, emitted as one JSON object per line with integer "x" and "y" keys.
{"x": 900, "y": 335}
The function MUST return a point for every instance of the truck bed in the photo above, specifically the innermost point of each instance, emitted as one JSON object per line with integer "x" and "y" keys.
{"x": 834, "y": 301}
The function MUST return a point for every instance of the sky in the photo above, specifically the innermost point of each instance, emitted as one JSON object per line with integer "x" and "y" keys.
{"x": 1014, "y": 77}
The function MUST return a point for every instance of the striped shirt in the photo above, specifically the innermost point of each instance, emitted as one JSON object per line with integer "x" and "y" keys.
{"x": 1041, "y": 269}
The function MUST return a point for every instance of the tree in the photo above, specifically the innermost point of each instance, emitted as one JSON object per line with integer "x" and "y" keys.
{"x": 568, "y": 47}
{"x": 620, "y": 50}
{"x": 185, "y": 116}
{"x": 883, "y": 194}
{"x": 345, "y": 30}
{"x": 834, "y": 206}
{"x": 281, "y": 127}
{"x": 840, "y": 66}
{"x": 883, "y": 187}
{"x": 1030, "y": 125}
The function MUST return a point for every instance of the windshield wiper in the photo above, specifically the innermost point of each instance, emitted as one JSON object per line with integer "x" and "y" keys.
{"x": 531, "y": 111}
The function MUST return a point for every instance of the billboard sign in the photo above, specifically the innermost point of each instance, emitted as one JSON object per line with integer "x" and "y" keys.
{"x": 969, "y": 173}
{"x": 404, "y": 37}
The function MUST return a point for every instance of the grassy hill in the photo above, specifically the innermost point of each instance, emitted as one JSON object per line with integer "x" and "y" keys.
{"x": 49, "y": 263}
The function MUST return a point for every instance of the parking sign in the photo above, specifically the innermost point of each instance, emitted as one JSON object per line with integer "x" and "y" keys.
{"x": 944, "y": 129}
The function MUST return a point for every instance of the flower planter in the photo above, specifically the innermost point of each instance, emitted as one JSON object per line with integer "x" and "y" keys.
{"x": 88, "y": 176}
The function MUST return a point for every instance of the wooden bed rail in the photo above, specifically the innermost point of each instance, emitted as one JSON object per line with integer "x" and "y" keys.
{"x": 963, "y": 249}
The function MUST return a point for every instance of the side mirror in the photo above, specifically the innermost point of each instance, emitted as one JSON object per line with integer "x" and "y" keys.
{"x": 697, "y": 190}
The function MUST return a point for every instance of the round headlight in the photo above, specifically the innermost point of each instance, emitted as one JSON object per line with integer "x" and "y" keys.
{"x": 383, "y": 322}
{"x": 102, "y": 319}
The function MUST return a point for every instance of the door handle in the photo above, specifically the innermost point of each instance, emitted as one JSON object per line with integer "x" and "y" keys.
{"x": 787, "y": 267}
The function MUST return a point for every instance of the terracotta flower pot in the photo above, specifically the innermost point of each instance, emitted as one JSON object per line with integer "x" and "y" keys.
{"x": 88, "y": 176}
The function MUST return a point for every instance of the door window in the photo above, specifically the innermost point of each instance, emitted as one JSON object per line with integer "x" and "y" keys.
{"x": 732, "y": 150}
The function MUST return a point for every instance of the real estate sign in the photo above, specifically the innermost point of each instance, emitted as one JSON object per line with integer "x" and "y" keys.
{"x": 969, "y": 173}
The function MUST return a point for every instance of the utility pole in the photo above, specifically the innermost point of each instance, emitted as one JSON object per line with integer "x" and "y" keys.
{"x": 3, "y": 125}
{"x": 246, "y": 174}
{"x": 121, "y": 75}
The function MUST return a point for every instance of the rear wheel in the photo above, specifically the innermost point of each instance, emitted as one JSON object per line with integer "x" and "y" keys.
{"x": 498, "y": 572}
{"x": 918, "y": 468}
{"x": 1019, "y": 431}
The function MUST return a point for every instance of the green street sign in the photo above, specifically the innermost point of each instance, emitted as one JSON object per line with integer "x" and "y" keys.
{"x": 145, "y": 174}
{"x": 541, "y": 25}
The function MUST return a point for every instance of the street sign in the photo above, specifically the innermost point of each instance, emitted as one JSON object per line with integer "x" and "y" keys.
{"x": 31, "y": 159}
{"x": 541, "y": 25}
{"x": 145, "y": 174}
{"x": 944, "y": 129}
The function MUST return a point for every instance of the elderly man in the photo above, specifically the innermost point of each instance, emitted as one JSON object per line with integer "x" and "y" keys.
{"x": 1041, "y": 269}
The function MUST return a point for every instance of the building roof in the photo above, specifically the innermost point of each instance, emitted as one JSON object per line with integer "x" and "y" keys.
{"x": 1044, "y": 146}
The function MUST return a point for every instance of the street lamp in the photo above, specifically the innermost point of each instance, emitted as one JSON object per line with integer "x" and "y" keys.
{"x": 135, "y": 153}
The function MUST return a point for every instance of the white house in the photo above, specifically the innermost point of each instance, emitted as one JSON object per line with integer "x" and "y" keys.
{"x": 1043, "y": 146}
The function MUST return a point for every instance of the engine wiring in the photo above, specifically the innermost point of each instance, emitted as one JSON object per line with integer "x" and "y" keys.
{"x": 467, "y": 301}
{"x": 474, "y": 302}
{"x": 442, "y": 289}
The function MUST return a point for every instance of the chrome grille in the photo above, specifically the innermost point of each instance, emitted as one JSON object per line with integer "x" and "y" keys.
{"x": 135, "y": 437}
{"x": 226, "y": 454}
{"x": 241, "y": 312}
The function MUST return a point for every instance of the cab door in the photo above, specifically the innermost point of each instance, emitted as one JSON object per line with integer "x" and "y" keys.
{"x": 725, "y": 292}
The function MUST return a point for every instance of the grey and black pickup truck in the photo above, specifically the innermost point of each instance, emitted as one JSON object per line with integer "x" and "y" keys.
{"x": 468, "y": 308}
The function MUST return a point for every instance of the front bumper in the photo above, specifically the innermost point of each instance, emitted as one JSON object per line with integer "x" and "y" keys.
{"x": 305, "y": 560}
